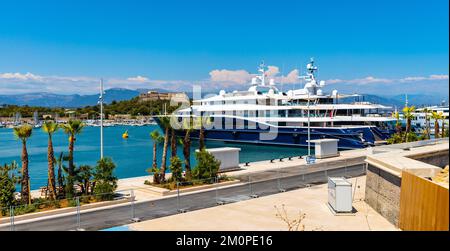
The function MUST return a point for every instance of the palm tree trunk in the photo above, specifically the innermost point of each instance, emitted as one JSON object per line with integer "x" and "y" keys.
{"x": 71, "y": 146}
{"x": 164, "y": 155}
{"x": 408, "y": 128}
{"x": 443, "y": 128}
{"x": 60, "y": 180}
{"x": 428, "y": 128}
{"x": 51, "y": 171}
{"x": 398, "y": 128}
{"x": 70, "y": 178}
{"x": 201, "y": 138}
{"x": 173, "y": 143}
{"x": 187, "y": 154}
{"x": 154, "y": 164}
{"x": 25, "y": 189}
{"x": 436, "y": 128}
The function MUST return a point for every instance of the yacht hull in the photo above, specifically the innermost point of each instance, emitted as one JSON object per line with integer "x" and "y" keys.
{"x": 349, "y": 138}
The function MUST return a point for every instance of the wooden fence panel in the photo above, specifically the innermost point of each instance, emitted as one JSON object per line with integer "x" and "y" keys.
{"x": 424, "y": 205}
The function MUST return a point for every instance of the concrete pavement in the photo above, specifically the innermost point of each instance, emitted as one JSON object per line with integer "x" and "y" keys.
{"x": 260, "y": 214}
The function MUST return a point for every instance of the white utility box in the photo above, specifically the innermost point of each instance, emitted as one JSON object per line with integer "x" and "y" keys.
{"x": 340, "y": 194}
{"x": 228, "y": 156}
{"x": 325, "y": 148}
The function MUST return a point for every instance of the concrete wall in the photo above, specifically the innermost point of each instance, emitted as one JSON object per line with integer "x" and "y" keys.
{"x": 439, "y": 158}
{"x": 383, "y": 193}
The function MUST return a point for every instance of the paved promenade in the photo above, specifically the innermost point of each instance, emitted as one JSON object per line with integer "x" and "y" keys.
{"x": 261, "y": 170}
{"x": 259, "y": 214}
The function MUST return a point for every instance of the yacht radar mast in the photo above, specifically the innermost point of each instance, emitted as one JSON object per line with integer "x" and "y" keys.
{"x": 311, "y": 85}
{"x": 262, "y": 70}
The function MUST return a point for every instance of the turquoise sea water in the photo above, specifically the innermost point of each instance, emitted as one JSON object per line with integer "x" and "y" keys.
{"x": 132, "y": 156}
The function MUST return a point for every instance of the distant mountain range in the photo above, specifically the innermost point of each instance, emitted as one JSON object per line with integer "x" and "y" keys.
{"x": 69, "y": 101}
{"x": 119, "y": 94}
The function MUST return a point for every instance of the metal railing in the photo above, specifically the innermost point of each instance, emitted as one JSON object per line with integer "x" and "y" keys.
{"x": 122, "y": 208}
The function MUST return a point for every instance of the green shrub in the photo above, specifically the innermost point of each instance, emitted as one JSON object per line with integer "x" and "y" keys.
{"x": 72, "y": 202}
{"x": 105, "y": 181}
{"x": 7, "y": 185}
{"x": 207, "y": 166}
{"x": 176, "y": 169}
{"x": 25, "y": 209}
{"x": 398, "y": 138}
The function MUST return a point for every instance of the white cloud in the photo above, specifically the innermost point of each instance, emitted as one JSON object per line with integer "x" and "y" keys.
{"x": 138, "y": 79}
{"x": 369, "y": 80}
{"x": 224, "y": 76}
{"x": 20, "y": 76}
{"x": 227, "y": 77}
{"x": 19, "y": 83}
{"x": 410, "y": 79}
{"x": 272, "y": 71}
{"x": 443, "y": 77}
{"x": 334, "y": 81}
{"x": 291, "y": 78}
{"x": 373, "y": 80}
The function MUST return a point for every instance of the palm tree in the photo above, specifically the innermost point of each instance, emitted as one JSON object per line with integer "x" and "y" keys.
{"x": 157, "y": 138}
{"x": 398, "y": 126}
{"x": 408, "y": 115}
{"x": 50, "y": 127}
{"x": 187, "y": 153}
{"x": 443, "y": 125}
{"x": 84, "y": 176}
{"x": 436, "y": 116}
{"x": 427, "y": 121}
{"x": 173, "y": 143}
{"x": 165, "y": 123}
{"x": 60, "y": 163}
{"x": 72, "y": 128}
{"x": 23, "y": 133}
{"x": 201, "y": 137}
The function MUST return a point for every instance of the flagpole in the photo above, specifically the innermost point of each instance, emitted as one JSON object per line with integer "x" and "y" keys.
{"x": 101, "y": 118}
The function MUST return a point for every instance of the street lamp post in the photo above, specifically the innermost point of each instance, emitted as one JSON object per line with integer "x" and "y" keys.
{"x": 309, "y": 131}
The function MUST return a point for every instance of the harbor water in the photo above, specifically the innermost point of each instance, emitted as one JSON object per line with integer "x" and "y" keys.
{"x": 132, "y": 156}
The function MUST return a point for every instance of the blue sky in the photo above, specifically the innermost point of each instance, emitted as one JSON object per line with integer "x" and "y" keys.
{"x": 177, "y": 43}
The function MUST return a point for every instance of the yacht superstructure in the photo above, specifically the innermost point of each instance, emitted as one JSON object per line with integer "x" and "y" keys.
{"x": 420, "y": 122}
{"x": 265, "y": 115}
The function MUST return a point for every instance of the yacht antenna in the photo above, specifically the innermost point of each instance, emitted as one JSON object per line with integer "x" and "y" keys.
{"x": 263, "y": 73}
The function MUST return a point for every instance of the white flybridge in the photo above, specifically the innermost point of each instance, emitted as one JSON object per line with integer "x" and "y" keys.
{"x": 265, "y": 115}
